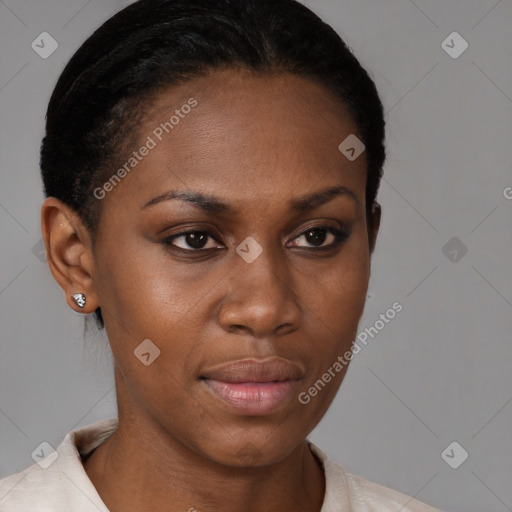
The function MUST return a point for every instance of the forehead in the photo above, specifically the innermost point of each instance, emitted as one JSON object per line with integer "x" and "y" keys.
{"x": 247, "y": 134}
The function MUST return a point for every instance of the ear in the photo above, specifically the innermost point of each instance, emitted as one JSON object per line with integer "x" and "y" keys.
{"x": 374, "y": 225}
{"x": 69, "y": 252}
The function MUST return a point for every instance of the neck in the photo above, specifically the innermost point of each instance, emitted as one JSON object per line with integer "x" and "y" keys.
{"x": 141, "y": 468}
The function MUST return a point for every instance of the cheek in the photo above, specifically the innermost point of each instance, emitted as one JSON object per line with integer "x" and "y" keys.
{"x": 147, "y": 295}
{"x": 340, "y": 290}
{"x": 336, "y": 302}
{"x": 136, "y": 283}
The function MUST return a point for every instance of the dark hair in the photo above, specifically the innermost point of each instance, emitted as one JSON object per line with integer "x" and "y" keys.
{"x": 152, "y": 44}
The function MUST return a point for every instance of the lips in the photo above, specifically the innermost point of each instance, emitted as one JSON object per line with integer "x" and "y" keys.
{"x": 254, "y": 370}
{"x": 253, "y": 387}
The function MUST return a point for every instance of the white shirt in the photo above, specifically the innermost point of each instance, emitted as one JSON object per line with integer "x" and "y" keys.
{"x": 59, "y": 483}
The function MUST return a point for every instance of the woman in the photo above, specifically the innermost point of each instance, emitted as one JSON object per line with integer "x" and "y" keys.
{"x": 211, "y": 171}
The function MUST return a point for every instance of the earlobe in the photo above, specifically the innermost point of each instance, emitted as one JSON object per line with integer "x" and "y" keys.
{"x": 68, "y": 250}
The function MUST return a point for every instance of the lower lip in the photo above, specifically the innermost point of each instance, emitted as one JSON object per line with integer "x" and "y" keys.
{"x": 253, "y": 398}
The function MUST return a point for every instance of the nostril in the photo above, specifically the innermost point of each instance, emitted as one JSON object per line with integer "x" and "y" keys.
{"x": 285, "y": 329}
{"x": 237, "y": 327}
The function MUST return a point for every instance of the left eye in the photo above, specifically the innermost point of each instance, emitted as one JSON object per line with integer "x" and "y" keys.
{"x": 316, "y": 236}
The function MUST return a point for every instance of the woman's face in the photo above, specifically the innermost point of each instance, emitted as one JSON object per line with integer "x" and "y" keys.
{"x": 263, "y": 275}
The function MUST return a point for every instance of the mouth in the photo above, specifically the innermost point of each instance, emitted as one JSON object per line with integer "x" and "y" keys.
{"x": 254, "y": 387}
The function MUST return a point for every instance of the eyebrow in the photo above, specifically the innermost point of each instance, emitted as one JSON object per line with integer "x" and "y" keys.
{"x": 212, "y": 204}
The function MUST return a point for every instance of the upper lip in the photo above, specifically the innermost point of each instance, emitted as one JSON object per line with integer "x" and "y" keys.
{"x": 255, "y": 370}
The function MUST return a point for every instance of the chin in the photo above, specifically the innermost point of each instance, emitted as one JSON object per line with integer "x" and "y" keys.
{"x": 251, "y": 447}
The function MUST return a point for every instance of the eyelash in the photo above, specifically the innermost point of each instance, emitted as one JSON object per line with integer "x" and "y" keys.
{"x": 339, "y": 237}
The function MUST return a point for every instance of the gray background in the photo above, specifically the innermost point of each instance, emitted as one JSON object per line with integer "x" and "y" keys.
{"x": 438, "y": 372}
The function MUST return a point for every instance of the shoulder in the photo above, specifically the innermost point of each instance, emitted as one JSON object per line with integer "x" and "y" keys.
{"x": 378, "y": 497}
{"x": 58, "y": 482}
{"x": 32, "y": 489}
{"x": 360, "y": 495}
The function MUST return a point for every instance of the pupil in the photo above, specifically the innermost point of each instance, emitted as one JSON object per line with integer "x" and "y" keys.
{"x": 316, "y": 236}
{"x": 196, "y": 240}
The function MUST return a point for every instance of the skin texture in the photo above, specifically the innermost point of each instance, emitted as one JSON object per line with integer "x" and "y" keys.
{"x": 255, "y": 142}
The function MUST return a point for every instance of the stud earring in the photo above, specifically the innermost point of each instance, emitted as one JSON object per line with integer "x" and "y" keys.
{"x": 79, "y": 299}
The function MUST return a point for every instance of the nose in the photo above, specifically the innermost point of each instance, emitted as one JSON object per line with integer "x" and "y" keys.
{"x": 261, "y": 300}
